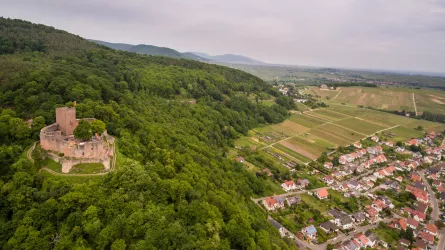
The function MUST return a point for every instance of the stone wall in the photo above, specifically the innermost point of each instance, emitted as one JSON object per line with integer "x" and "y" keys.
{"x": 66, "y": 119}
{"x": 51, "y": 139}
{"x": 67, "y": 164}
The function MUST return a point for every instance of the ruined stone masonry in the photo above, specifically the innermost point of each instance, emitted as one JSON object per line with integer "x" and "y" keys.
{"x": 58, "y": 138}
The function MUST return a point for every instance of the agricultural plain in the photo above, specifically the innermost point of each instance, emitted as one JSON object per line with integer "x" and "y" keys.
{"x": 305, "y": 136}
{"x": 386, "y": 98}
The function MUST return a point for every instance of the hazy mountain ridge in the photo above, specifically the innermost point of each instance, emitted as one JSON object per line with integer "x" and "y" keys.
{"x": 150, "y": 50}
{"x": 230, "y": 58}
{"x": 164, "y": 51}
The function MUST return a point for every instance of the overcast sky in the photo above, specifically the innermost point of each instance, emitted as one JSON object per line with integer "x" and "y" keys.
{"x": 376, "y": 34}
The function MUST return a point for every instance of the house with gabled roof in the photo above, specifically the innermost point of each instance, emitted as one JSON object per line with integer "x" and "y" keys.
{"x": 322, "y": 193}
{"x": 412, "y": 142}
{"x": 371, "y": 214}
{"x": 328, "y": 165}
{"x": 293, "y": 200}
{"x": 373, "y": 239}
{"x": 310, "y": 232}
{"x": 420, "y": 244}
{"x": 328, "y": 179}
{"x": 358, "y": 217}
{"x": 328, "y": 226}
{"x": 428, "y": 238}
{"x": 412, "y": 223}
{"x": 375, "y": 138}
{"x": 361, "y": 239}
{"x": 418, "y": 216}
{"x": 288, "y": 186}
{"x": 431, "y": 229}
{"x": 272, "y": 203}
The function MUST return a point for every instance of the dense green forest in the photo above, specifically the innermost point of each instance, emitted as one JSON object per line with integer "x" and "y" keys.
{"x": 174, "y": 187}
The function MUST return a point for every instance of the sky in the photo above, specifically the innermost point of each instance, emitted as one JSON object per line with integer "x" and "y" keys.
{"x": 367, "y": 34}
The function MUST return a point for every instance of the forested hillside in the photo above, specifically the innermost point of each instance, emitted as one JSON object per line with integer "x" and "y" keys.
{"x": 151, "y": 50}
{"x": 173, "y": 189}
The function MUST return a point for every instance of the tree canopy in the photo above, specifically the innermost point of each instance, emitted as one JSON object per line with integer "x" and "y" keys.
{"x": 83, "y": 131}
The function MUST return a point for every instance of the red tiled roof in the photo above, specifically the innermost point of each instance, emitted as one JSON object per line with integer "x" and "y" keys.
{"x": 431, "y": 227}
{"x": 412, "y": 222}
{"x": 322, "y": 192}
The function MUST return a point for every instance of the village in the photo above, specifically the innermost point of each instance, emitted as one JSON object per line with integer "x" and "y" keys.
{"x": 376, "y": 194}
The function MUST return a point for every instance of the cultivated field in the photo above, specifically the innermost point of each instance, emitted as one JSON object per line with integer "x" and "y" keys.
{"x": 392, "y": 98}
{"x": 304, "y": 137}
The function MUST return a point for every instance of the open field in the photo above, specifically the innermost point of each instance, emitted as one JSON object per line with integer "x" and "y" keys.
{"x": 360, "y": 126}
{"x": 380, "y": 98}
{"x": 391, "y": 98}
{"x": 306, "y": 120}
{"x": 292, "y": 153}
{"x": 51, "y": 164}
{"x": 304, "y": 137}
{"x": 324, "y": 94}
{"x": 311, "y": 149}
{"x": 301, "y": 107}
{"x": 427, "y": 125}
{"x": 342, "y": 132}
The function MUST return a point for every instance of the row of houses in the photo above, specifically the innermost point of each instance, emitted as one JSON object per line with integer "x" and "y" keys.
{"x": 276, "y": 203}
{"x": 359, "y": 241}
{"x": 292, "y": 185}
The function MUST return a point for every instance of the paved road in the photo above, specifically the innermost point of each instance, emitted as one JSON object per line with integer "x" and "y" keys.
{"x": 433, "y": 200}
{"x": 441, "y": 244}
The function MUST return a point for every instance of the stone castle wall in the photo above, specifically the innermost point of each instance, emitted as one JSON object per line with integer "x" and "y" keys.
{"x": 54, "y": 141}
{"x": 66, "y": 119}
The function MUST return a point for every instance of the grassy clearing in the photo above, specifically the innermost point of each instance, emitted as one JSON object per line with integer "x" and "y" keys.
{"x": 292, "y": 153}
{"x": 403, "y": 133}
{"x": 268, "y": 102}
{"x": 87, "y": 168}
{"x": 51, "y": 164}
{"x": 388, "y": 235}
{"x": 250, "y": 167}
{"x": 360, "y": 126}
{"x": 427, "y": 126}
{"x": 306, "y": 120}
{"x": 301, "y": 107}
{"x": 320, "y": 205}
{"x": 246, "y": 142}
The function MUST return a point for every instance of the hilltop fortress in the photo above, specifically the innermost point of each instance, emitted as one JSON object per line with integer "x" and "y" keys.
{"x": 63, "y": 147}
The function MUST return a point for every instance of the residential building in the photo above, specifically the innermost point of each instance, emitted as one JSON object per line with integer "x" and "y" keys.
{"x": 322, "y": 193}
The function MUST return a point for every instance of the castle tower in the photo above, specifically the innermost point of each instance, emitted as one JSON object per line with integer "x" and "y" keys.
{"x": 66, "y": 119}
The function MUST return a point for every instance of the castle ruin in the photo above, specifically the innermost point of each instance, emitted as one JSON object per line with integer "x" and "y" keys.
{"x": 59, "y": 140}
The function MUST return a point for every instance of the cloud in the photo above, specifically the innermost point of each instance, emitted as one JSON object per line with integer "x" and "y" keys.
{"x": 388, "y": 34}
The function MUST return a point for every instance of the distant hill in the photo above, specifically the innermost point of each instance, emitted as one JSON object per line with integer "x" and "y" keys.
{"x": 168, "y": 52}
{"x": 230, "y": 58}
{"x": 151, "y": 50}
